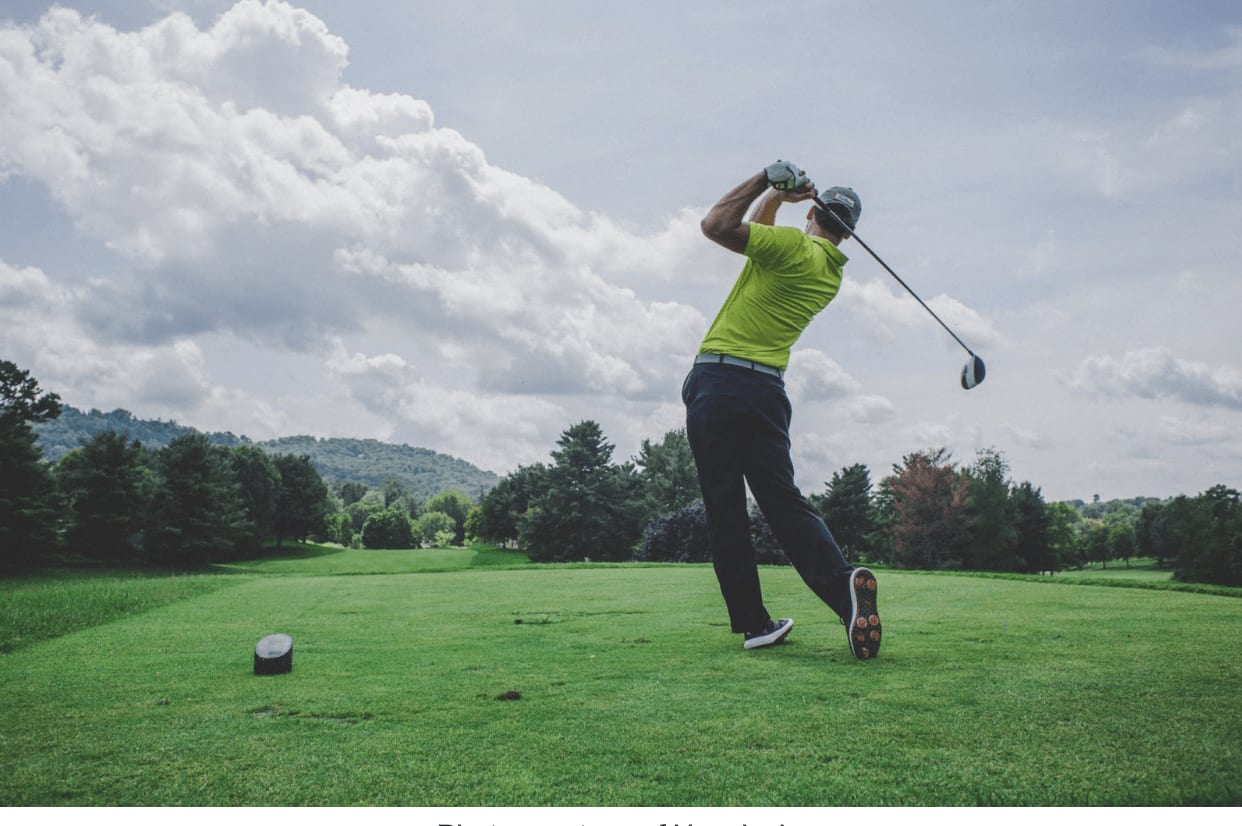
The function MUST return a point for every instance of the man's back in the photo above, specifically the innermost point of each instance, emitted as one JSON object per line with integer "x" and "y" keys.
{"x": 789, "y": 277}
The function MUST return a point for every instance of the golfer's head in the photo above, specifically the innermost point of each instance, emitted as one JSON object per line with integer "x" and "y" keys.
{"x": 841, "y": 211}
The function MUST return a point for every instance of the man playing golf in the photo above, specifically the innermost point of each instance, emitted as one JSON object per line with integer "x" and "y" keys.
{"x": 737, "y": 413}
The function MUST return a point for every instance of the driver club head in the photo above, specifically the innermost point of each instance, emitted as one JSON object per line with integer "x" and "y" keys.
{"x": 973, "y": 372}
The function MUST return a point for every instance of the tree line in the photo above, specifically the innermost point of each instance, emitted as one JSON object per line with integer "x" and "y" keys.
{"x": 187, "y": 503}
{"x": 929, "y": 513}
{"x": 192, "y": 502}
{"x": 424, "y": 472}
{"x": 111, "y": 500}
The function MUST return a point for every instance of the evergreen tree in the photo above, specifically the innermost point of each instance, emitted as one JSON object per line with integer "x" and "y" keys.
{"x": 1153, "y": 535}
{"x": 669, "y": 477}
{"x": 884, "y": 518}
{"x": 102, "y": 484}
{"x": 27, "y": 490}
{"x": 992, "y": 540}
{"x": 591, "y": 509}
{"x": 1032, "y": 546}
{"x": 504, "y": 505}
{"x": 197, "y": 511}
{"x": 397, "y": 496}
{"x": 1209, "y": 529}
{"x": 302, "y": 501}
{"x": 259, "y": 486}
{"x": 846, "y": 508}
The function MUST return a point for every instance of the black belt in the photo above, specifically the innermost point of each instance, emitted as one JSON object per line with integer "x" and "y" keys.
{"x": 716, "y": 358}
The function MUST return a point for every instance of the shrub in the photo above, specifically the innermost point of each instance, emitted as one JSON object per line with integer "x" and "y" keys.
{"x": 388, "y": 529}
{"x": 768, "y": 550}
{"x": 680, "y": 536}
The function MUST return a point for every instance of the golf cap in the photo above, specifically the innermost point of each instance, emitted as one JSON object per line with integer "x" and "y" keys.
{"x": 846, "y": 198}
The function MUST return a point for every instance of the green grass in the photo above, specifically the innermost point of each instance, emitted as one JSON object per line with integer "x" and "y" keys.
{"x": 321, "y": 560}
{"x": 631, "y": 693}
{"x": 38, "y": 608}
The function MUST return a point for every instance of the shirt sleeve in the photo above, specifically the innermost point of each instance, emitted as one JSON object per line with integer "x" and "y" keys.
{"x": 774, "y": 248}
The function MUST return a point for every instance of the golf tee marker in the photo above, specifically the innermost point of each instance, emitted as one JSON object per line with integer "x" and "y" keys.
{"x": 274, "y": 654}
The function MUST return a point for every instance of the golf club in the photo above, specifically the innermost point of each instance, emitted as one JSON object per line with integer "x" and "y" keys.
{"x": 974, "y": 371}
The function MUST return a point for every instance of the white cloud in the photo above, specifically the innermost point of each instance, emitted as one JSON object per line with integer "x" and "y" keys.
{"x": 814, "y": 377}
{"x": 256, "y": 194}
{"x": 1155, "y": 373}
{"x": 885, "y": 312}
{"x": 165, "y": 381}
{"x": 220, "y": 219}
{"x": 488, "y": 429}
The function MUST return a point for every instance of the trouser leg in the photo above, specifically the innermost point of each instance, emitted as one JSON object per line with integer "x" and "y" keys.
{"x": 713, "y": 424}
{"x": 801, "y": 531}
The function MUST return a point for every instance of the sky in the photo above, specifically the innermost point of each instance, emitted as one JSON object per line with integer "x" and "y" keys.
{"x": 468, "y": 226}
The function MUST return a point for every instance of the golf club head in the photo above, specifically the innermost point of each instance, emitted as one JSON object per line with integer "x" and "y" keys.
{"x": 973, "y": 372}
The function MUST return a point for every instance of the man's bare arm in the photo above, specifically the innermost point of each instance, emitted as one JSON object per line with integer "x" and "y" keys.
{"x": 766, "y": 207}
{"x": 724, "y": 222}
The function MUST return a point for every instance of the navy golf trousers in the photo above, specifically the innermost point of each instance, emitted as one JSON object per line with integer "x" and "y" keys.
{"x": 737, "y": 421}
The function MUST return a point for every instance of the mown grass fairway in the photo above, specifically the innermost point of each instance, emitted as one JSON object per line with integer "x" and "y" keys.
{"x": 627, "y": 690}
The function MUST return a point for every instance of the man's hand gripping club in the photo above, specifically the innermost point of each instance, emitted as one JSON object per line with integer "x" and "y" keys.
{"x": 785, "y": 176}
{"x": 724, "y": 222}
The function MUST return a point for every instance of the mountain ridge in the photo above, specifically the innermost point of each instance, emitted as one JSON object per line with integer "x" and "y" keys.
{"x": 370, "y": 461}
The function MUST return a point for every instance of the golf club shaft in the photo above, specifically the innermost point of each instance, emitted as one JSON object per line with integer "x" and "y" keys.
{"x": 893, "y": 274}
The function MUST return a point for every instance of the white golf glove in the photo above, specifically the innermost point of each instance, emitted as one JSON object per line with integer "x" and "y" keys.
{"x": 786, "y": 176}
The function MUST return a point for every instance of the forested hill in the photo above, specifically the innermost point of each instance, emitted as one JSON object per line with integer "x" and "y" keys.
{"x": 67, "y": 431}
{"x": 369, "y": 461}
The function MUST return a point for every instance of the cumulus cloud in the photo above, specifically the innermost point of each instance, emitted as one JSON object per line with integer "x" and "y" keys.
{"x": 253, "y": 194}
{"x": 885, "y": 311}
{"x": 814, "y": 377}
{"x": 170, "y": 380}
{"x": 1155, "y": 373}
{"x": 489, "y": 429}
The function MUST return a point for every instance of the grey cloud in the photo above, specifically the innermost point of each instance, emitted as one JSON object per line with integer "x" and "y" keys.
{"x": 1155, "y": 373}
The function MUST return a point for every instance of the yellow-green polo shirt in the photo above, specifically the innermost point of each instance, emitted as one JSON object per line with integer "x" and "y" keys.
{"x": 788, "y": 278}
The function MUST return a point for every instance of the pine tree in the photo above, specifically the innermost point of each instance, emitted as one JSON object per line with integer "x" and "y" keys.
{"x": 846, "y": 508}
{"x": 102, "y": 483}
{"x": 590, "y": 509}
{"x": 504, "y": 505}
{"x": 27, "y": 489}
{"x": 669, "y": 477}
{"x": 1032, "y": 524}
{"x": 198, "y": 511}
{"x": 302, "y": 501}
{"x": 992, "y": 542}
{"x": 258, "y": 483}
